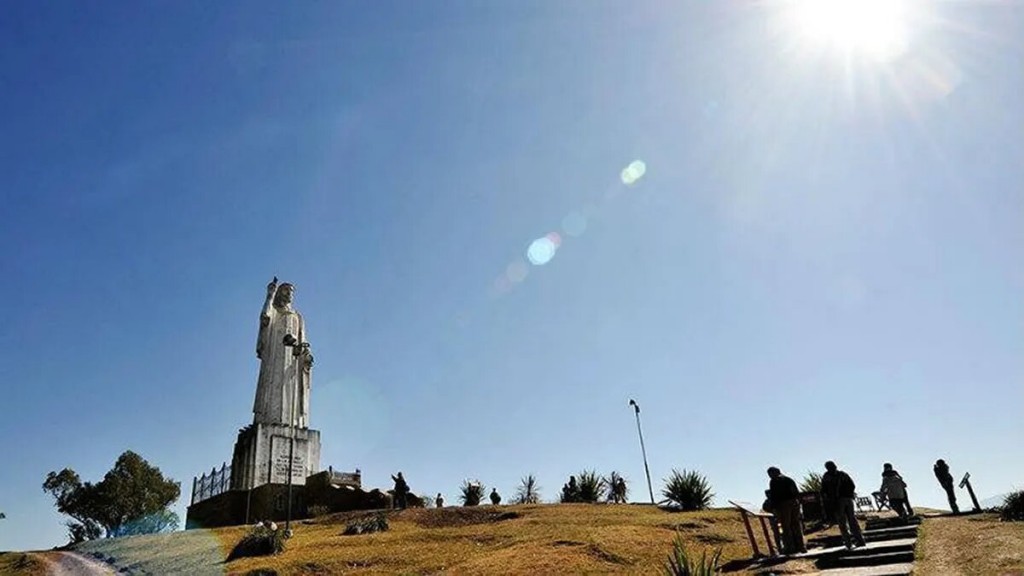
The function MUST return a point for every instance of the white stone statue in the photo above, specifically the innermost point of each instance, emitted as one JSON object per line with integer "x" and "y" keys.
{"x": 285, "y": 361}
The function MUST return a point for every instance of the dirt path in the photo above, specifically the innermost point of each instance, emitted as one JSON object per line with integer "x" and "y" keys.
{"x": 72, "y": 564}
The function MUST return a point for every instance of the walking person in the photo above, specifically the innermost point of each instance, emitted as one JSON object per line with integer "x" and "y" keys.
{"x": 895, "y": 489}
{"x": 942, "y": 474}
{"x": 784, "y": 498}
{"x": 838, "y": 488}
{"x": 439, "y": 501}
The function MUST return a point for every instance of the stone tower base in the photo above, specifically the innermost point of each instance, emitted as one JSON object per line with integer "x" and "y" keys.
{"x": 261, "y": 455}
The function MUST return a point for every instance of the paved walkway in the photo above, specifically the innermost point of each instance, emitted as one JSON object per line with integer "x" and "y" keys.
{"x": 72, "y": 564}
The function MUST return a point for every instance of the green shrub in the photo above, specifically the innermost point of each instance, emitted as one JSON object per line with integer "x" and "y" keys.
{"x": 592, "y": 486}
{"x": 689, "y": 490}
{"x": 318, "y": 510}
{"x": 367, "y": 525}
{"x": 471, "y": 492}
{"x": 680, "y": 564}
{"x": 528, "y": 491}
{"x": 1012, "y": 509}
{"x": 260, "y": 541}
{"x": 811, "y": 483}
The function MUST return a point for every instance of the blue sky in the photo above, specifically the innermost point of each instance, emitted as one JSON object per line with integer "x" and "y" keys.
{"x": 823, "y": 259}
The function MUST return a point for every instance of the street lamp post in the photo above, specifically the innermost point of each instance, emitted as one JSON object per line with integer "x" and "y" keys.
{"x": 643, "y": 450}
{"x": 298, "y": 348}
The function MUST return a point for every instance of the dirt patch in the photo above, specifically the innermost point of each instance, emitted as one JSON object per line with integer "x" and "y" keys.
{"x": 713, "y": 539}
{"x": 686, "y": 526}
{"x": 606, "y": 556}
{"x": 454, "y": 517}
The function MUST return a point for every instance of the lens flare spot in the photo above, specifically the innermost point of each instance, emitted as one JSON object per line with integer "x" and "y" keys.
{"x": 541, "y": 251}
{"x": 634, "y": 172}
{"x": 517, "y": 271}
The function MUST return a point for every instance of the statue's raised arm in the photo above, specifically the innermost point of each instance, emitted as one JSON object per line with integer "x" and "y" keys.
{"x": 265, "y": 314}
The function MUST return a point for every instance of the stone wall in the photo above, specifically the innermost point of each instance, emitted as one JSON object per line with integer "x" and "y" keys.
{"x": 267, "y": 502}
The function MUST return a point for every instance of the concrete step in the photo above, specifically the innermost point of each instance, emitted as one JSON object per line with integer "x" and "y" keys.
{"x": 880, "y": 559}
{"x": 873, "y": 523}
{"x": 881, "y": 535}
{"x": 873, "y": 554}
{"x": 902, "y": 569}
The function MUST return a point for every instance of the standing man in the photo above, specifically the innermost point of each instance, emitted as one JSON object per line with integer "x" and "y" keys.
{"x": 784, "y": 497}
{"x": 401, "y": 491}
{"x": 941, "y": 470}
{"x": 838, "y": 489}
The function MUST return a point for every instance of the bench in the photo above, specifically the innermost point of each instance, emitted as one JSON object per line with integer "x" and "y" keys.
{"x": 748, "y": 510}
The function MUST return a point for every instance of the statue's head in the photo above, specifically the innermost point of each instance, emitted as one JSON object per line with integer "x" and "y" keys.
{"x": 283, "y": 296}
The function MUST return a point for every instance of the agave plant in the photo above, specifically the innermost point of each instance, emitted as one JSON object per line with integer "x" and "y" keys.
{"x": 681, "y": 564}
{"x": 689, "y": 490}
{"x": 811, "y": 483}
{"x": 617, "y": 487}
{"x": 528, "y": 491}
{"x": 471, "y": 492}
{"x": 592, "y": 486}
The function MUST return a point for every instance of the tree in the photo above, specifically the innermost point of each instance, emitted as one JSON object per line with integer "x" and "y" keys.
{"x": 132, "y": 498}
{"x": 528, "y": 491}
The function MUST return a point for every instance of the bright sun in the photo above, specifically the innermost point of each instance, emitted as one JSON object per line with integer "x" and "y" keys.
{"x": 875, "y": 28}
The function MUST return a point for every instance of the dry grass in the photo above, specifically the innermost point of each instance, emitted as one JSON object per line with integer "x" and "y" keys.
{"x": 566, "y": 538}
{"x": 977, "y": 544}
{"x": 21, "y": 564}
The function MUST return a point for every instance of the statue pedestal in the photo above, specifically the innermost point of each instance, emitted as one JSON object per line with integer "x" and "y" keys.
{"x": 261, "y": 455}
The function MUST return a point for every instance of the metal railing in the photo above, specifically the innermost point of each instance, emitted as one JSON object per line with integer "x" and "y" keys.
{"x": 209, "y": 485}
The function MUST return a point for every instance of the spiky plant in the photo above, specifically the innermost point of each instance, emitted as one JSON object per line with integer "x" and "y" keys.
{"x": 592, "y": 486}
{"x": 618, "y": 489}
{"x": 528, "y": 491}
{"x": 681, "y": 564}
{"x": 811, "y": 483}
{"x": 1013, "y": 507}
{"x": 471, "y": 492}
{"x": 689, "y": 490}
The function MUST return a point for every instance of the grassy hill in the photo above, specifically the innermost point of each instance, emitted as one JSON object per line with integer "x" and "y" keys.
{"x": 540, "y": 539}
{"x": 566, "y": 538}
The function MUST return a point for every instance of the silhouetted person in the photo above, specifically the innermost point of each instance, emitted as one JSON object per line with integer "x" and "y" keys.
{"x": 439, "y": 501}
{"x": 838, "y": 491}
{"x": 895, "y": 490}
{"x": 619, "y": 491}
{"x": 941, "y": 470}
{"x": 495, "y": 497}
{"x": 784, "y": 498}
{"x": 570, "y": 491}
{"x": 401, "y": 491}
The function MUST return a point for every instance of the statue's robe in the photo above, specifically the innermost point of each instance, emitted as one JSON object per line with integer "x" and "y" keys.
{"x": 280, "y": 370}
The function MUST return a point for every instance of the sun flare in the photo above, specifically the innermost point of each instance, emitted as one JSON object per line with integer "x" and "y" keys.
{"x": 875, "y": 28}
